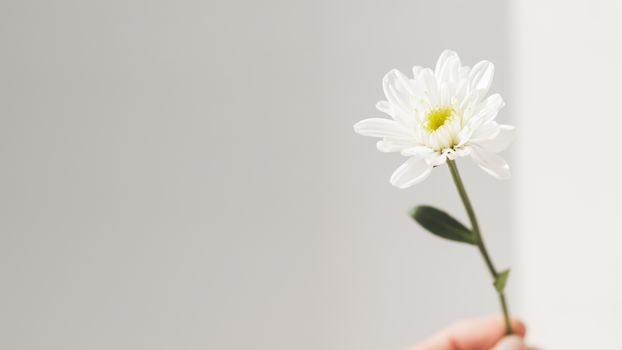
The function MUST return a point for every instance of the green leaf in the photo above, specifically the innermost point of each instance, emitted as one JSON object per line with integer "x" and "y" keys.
{"x": 442, "y": 224}
{"x": 501, "y": 280}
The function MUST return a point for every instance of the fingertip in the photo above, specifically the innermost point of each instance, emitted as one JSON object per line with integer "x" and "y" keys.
{"x": 473, "y": 334}
{"x": 518, "y": 327}
{"x": 511, "y": 342}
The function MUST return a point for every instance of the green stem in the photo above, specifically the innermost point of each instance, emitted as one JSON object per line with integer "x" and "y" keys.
{"x": 479, "y": 240}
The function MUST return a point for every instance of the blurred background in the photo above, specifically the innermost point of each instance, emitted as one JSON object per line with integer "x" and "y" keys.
{"x": 184, "y": 175}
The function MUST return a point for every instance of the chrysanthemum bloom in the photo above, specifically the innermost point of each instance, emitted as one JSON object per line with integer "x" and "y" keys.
{"x": 440, "y": 115}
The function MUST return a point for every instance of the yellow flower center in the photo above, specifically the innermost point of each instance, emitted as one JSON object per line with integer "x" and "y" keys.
{"x": 438, "y": 117}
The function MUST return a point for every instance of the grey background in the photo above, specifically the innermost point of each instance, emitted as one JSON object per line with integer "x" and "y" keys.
{"x": 184, "y": 175}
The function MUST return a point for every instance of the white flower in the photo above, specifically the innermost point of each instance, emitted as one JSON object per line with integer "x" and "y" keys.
{"x": 440, "y": 115}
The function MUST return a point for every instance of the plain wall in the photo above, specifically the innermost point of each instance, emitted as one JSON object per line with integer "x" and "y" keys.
{"x": 566, "y": 61}
{"x": 184, "y": 175}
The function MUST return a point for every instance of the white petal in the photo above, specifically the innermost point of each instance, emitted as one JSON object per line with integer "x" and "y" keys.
{"x": 447, "y": 67}
{"x": 394, "y": 90}
{"x": 385, "y": 107}
{"x": 463, "y": 151}
{"x": 502, "y": 141}
{"x": 381, "y": 127}
{"x": 445, "y": 93}
{"x": 481, "y": 76}
{"x": 398, "y": 96}
{"x": 414, "y": 170}
{"x": 421, "y": 151}
{"x": 485, "y": 112}
{"x": 470, "y": 101}
{"x": 416, "y": 71}
{"x": 429, "y": 85}
{"x": 459, "y": 93}
{"x": 491, "y": 163}
{"x": 464, "y": 72}
{"x": 464, "y": 135}
{"x": 438, "y": 159}
{"x": 403, "y": 82}
{"x": 494, "y": 101}
{"x": 392, "y": 145}
{"x": 443, "y": 58}
{"x": 485, "y": 132}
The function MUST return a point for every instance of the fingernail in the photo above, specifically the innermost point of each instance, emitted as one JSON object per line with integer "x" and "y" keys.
{"x": 512, "y": 342}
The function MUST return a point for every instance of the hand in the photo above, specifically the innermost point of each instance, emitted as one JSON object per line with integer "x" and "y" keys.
{"x": 477, "y": 334}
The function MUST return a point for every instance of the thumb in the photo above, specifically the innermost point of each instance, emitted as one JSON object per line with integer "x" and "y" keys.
{"x": 475, "y": 334}
{"x": 511, "y": 342}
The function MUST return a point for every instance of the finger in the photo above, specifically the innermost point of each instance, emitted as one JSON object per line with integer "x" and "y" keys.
{"x": 475, "y": 334}
{"x": 512, "y": 342}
